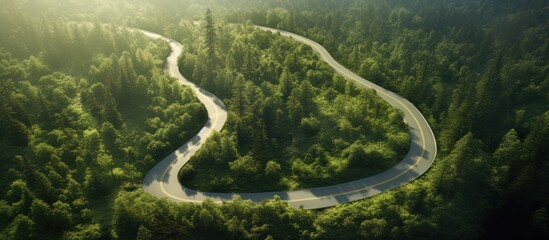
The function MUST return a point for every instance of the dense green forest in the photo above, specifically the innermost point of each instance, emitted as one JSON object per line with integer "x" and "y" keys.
{"x": 86, "y": 111}
{"x": 476, "y": 69}
{"x": 293, "y": 122}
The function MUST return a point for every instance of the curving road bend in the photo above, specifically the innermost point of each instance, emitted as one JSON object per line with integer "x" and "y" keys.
{"x": 161, "y": 181}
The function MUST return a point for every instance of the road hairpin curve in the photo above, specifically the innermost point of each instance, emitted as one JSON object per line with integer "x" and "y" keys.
{"x": 162, "y": 181}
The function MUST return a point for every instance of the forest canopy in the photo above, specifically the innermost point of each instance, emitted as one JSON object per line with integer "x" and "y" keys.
{"x": 85, "y": 111}
{"x": 84, "y": 115}
{"x": 293, "y": 122}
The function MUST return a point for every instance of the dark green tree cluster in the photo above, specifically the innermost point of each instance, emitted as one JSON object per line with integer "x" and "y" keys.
{"x": 293, "y": 123}
{"x": 476, "y": 70}
{"x": 142, "y": 216}
{"x": 83, "y": 115}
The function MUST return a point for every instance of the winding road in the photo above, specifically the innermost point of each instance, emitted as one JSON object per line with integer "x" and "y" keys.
{"x": 161, "y": 181}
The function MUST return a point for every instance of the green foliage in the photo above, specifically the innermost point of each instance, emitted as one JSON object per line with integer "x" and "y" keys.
{"x": 272, "y": 168}
{"x": 434, "y": 53}
{"x": 22, "y": 227}
{"x": 283, "y": 107}
{"x": 235, "y": 220}
{"x": 210, "y": 39}
{"x": 356, "y": 155}
{"x": 84, "y": 232}
{"x": 469, "y": 66}
{"x": 245, "y": 167}
{"x": 72, "y": 108}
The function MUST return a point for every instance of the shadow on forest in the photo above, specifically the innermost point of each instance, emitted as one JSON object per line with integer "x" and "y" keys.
{"x": 214, "y": 98}
{"x": 404, "y": 171}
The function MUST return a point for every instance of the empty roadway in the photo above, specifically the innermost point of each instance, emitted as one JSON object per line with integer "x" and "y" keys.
{"x": 161, "y": 181}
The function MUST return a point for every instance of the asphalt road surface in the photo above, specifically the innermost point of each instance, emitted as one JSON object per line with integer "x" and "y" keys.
{"x": 161, "y": 181}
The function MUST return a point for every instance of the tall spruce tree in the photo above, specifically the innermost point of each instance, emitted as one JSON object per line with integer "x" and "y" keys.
{"x": 210, "y": 39}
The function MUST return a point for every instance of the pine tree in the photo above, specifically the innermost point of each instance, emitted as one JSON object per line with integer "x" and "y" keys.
{"x": 210, "y": 38}
{"x": 286, "y": 83}
{"x": 238, "y": 94}
{"x": 260, "y": 141}
{"x": 250, "y": 63}
{"x": 11, "y": 120}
